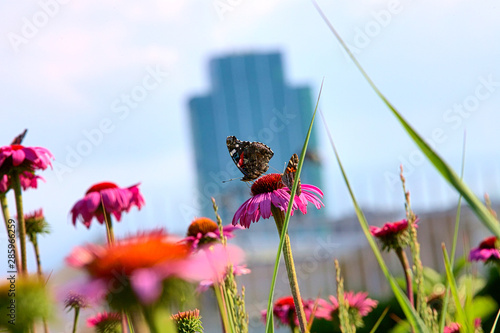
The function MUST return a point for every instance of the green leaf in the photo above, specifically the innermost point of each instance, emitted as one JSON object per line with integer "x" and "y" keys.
{"x": 269, "y": 317}
{"x": 379, "y": 321}
{"x": 495, "y": 324}
{"x": 447, "y": 173}
{"x": 412, "y": 316}
{"x": 461, "y": 315}
{"x": 453, "y": 247}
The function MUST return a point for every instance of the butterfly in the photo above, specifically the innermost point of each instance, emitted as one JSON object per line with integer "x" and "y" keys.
{"x": 18, "y": 139}
{"x": 251, "y": 158}
{"x": 288, "y": 176}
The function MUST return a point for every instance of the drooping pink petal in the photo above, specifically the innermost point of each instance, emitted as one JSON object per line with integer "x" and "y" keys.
{"x": 270, "y": 190}
{"x": 18, "y": 157}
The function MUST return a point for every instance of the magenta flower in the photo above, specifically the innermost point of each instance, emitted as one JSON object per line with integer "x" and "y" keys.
{"x": 269, "y": 190}
{"x": 205, "y": 231}
{"x": 487, "y": 251}
{"x": 24, "y": 158}
{"x": 105, "y": 320}
{"x": 116, "y": 200}
{"x": 28, "y": 180}
{"x": 76, "y": 300}
{"x": 455, "y": 327}
{"x": 284, "y": 311}
{"x": 23, "y": 161}
{"x": 452, "y": 328}
{"x": 358, "y": 301}
{"x": 392, "y": 235}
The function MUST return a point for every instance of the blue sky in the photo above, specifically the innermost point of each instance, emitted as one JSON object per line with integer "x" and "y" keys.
{"x": 104, "y": 86}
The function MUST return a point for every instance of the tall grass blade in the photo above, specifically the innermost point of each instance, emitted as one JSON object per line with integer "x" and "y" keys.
{"x": 454, "y": 245}
{"x": 269, "y": 317}
{"x": 379, "y": 320}
{"x": 476, "y": 205}
{"x": 495, "y": 324}
{"x": 461, "y": 316}
{"x": 412, "y": 316}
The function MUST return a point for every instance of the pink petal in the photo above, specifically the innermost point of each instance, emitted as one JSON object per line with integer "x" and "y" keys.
{"x": 18, "y": 157}
{"x": 211, "y": 263}
{"x": 147, "y": 285}
{"x": 91, "y": 202}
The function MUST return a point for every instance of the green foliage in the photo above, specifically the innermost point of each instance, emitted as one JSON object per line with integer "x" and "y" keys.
{"x": 231, "y": 301}
{"x": 269, "y": 320}
{"x": 26, "y": 305}
{"x": 188, "y": 322}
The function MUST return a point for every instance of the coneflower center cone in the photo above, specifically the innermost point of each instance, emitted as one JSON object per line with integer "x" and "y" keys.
{"x": 267, "y": 183}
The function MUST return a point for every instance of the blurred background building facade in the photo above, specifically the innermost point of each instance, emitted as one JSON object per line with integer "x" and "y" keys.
{"x": 249, "y": 98}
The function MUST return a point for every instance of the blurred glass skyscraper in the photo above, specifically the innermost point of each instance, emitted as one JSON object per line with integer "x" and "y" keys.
{"x": 251, "y": 100}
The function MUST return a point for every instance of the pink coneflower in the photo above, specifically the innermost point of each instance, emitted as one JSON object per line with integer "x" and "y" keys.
{"x": 105, "y": 321}
{"x": 392, "y": 235}
{"x": 269, "y": 190}
{"x": 76, "y": 300}
{"x": 143, "y": 262}
{"x": 487, "y": 251}
{"x": 27, "y": 178}
{"x": 455, "y": 327}
{"x": 357, "y": 301}
{"x": 116, "y": 200}
{"x": 452, "y": 328}
{"x": 20, "y": 158}
{"x": 204, "y": 231}
{"x": 284, "y": 310}
{"x": 36, "y": 224}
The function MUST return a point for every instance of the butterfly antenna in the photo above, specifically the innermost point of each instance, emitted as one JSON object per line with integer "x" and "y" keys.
{"x": 276, "y": 170}
{"x": 229, "y": 180}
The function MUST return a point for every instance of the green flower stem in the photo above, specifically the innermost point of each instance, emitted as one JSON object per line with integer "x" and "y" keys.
{"x": 20, "y": 220}
{"x": 222, "y": 308}
{"x": 109, "y": 228}
{"x": 129, "y": 322}
{"x": 75, "y": 320}
{"x": 37, "y": 255}
{"x": 6, "y": 217}
{"x": 279, "y": 217}
{"x": 150, "y": 320}
{"x": 407, "y": 271}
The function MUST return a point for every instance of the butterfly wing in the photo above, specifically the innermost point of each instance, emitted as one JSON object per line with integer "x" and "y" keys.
{"x": 288, "y": 176}
{"x": 19, "y": 139}
{"x": 251, "y": 158}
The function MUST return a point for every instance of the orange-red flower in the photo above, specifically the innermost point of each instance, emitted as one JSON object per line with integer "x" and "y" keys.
{"x": 145, "y": 261}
